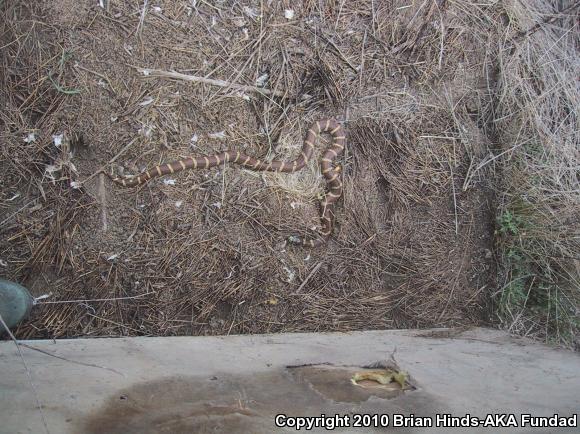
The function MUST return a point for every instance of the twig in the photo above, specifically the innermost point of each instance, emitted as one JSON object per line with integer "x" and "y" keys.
{"x": 196, "y": 79}
{"x": 38, "y": 403}
{"x": 115, "y": 322}
{"x": 305, "y": 281}
{"x": 547, "y": 20}
{"x": 454, "y": 284}
{"x": 104, "y": 77}
{"x": 142, "y": 17}
{"x": 336, "y": 49}
{"x": 441, "y": 46}
{"x": 338, "y": 14}
{"x": 95, "y": 299}
{"x": 102, "y": 195}
{"x": 17, "y": 211}
{"x": 121, "y": 152}
{"x": 454, "y": 201}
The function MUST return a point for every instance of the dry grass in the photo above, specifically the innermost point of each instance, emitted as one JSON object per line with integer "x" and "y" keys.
{"x": 536, "y": 121}
{"x": 427, "y": 92}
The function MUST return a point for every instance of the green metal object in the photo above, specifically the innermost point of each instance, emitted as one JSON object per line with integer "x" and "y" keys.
{"x": 15, "y": 303}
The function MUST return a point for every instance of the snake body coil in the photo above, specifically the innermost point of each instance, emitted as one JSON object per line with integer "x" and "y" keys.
{"x": 328, "y": 170}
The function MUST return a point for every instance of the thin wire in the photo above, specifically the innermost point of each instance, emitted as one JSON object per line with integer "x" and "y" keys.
{"x": 35, "y": 392}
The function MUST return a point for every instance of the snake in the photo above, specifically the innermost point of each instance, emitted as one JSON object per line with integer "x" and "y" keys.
{"x": 329, "y": 171}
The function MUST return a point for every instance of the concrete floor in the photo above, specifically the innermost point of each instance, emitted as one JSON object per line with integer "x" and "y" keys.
{"x": 240, "y": 383}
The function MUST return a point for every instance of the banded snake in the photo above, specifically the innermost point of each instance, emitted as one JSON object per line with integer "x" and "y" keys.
{"x": 330, "y": 172}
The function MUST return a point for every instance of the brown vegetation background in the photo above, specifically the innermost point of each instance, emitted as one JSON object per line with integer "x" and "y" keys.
{"x": 427, "y": 91}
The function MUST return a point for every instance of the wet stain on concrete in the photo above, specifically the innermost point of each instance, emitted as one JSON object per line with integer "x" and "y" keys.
{"x": 242, "y": 404}
{"x": 169, "y": 405}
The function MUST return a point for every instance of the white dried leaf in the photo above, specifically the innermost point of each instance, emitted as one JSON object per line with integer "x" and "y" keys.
{"x": 156, "y": 9}
{"x": 50, "y": 169}
{"x": 307, "y": 257}
{"x": 169, "y": 181}
{"x": 218, "y": 135}
{"x": 262, "y": 79}
{"x": 178, "y": 204}
{"x": 57, "y": 139}
{"x": 194, "y": 139}
{"x": 113, "y": 257}
{"x": 218, "y": 205}
{"x": 42, "y": 297}
{"x": 146, "y": 101}
{"x": 3, "y": 263}
{"x": 239, "y": 22}
{"x": 146, "y": 72}
{"x": 31, "y": 137}
{"x": 293, "y": 205}
{"x": 291, "y": 274}
{"x": 146, "y": 130}
{"x": 75, "y": 184}
{"x": 35, "y": 208}
{"x": 288, "y": 14}
{"x": 251, "y": 12}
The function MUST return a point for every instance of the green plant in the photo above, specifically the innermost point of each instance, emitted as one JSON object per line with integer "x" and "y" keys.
{"x": 65, "y": 56}
{"x": 540, "y": 293}
{"x": 509, "y": 223}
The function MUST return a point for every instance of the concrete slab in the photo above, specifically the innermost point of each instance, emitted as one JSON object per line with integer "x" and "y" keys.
{"x": 240, "y": 383}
